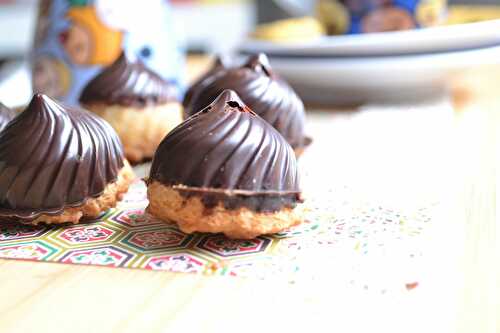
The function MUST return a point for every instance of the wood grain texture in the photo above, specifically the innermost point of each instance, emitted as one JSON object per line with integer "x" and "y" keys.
{"x": 478, "y": 102}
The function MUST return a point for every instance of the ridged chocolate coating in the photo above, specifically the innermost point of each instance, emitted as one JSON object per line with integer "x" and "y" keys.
{"x": 6, "y": 115}
{"x": 227, "y": 147}
{"x": 53, "y": 157}
{"x": 218, "y": 65}
{"x": 263, "y": 91}
{"x": 128, "y": 83}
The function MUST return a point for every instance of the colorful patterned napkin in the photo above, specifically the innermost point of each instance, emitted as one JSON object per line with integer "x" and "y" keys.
{"x": 348, "y": 239}
{"x": 332, "y": 241}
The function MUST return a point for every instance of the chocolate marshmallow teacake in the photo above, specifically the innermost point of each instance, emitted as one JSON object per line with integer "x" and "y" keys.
{"x": 227, "y": 154}
{"x": 6, "y": 115}
{"x": 218, "y": 65}
{"x": 129, "y": 83}
{"x": 54, "y": 157}
{"x": 267, "y": 94}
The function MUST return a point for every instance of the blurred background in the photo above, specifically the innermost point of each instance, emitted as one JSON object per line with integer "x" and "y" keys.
{"x": 223, "y": 26}
{"x": 191, "y": 18}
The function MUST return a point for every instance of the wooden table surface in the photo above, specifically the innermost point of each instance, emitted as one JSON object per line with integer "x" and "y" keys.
{"x": 47, "y": 297}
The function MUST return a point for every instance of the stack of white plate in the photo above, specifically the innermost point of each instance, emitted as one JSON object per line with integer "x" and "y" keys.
{"x": 381, "y": 66}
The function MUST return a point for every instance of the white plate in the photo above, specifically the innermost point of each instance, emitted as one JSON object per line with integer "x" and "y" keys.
{"x": 437, "y": 39}
{"x": 15, "y": 84}
{"x": 363, "y": 79}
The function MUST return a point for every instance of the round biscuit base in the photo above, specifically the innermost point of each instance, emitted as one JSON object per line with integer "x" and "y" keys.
{"x": 190, "y": 214}
{"x": 140, "y": 129}
{"x": 93, "y": 207}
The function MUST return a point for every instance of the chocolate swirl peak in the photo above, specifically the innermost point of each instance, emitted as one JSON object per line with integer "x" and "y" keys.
{"x": 228, "y": 153}
{"x": 263, "y": 91}
{"x": 128, "y": 83}
{"x": 53, "y": 157}
{"x": 218, "y": 65}
{"x": 6, "y": 115}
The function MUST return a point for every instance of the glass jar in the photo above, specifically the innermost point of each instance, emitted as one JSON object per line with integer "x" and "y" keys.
{"x": 76, "y": 39}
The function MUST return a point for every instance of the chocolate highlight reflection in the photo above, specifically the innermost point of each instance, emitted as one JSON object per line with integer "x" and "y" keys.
{"x": 59, "y": 164}
{"x": 226, "y": 170}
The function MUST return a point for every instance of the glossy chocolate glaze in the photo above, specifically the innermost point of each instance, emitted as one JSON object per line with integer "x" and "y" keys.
{"x": 53, "y": 157}
{"x": 128, "y": 83}
{"x": 263, "y": 91}
{"x": 226, "y": 153}
{"x": 6, "y": 115}
{"x": 218, "y": 65}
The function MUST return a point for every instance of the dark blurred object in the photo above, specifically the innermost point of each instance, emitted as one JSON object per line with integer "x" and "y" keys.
{"x": 268, "y": 11}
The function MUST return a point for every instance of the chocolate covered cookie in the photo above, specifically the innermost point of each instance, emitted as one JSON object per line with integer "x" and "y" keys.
{"x": 219, "y": 64}
{"x": 140, "y": 105}
{"x": 59, "y": 164}
{"x": 265, "y": 92}
{"x": 227, "y": 170}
